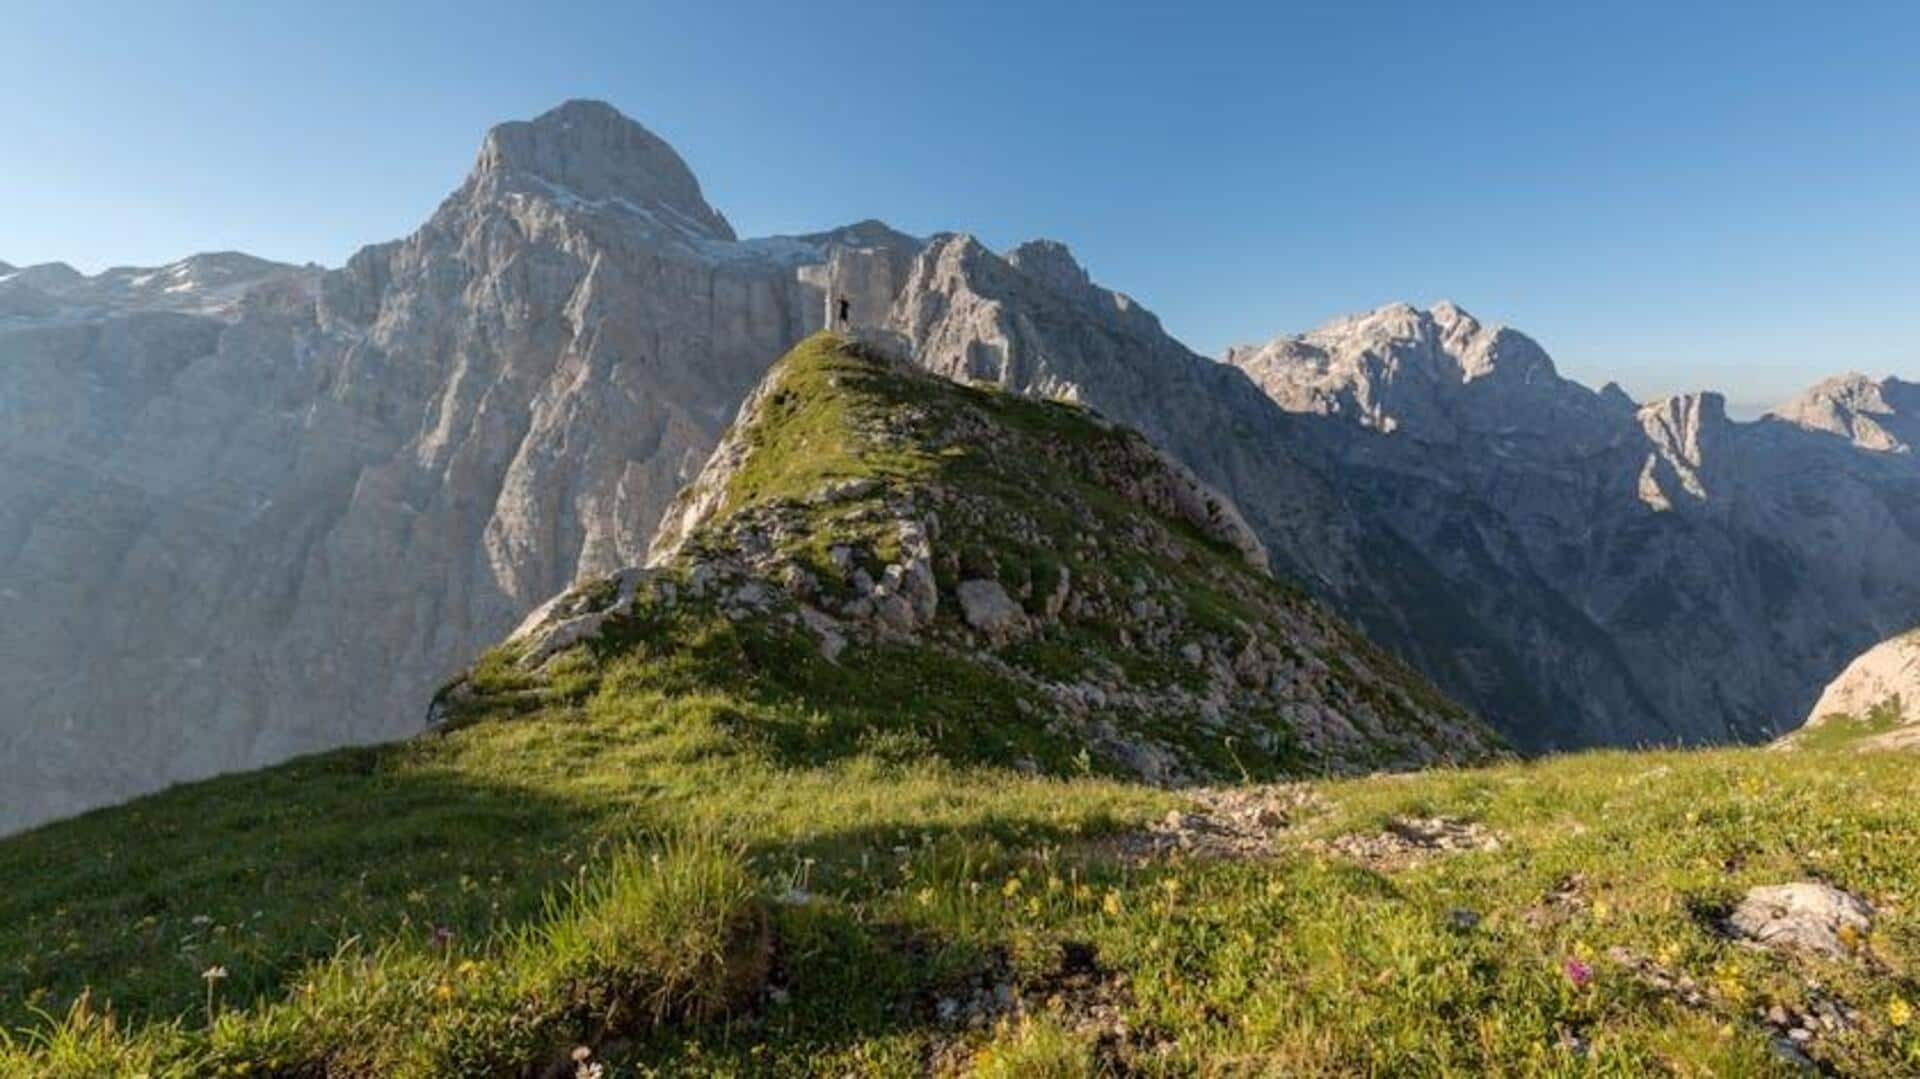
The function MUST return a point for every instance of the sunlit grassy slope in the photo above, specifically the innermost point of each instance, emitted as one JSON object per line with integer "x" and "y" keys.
{"x": 696, "y": 847}
{"x": 921, "y": 879}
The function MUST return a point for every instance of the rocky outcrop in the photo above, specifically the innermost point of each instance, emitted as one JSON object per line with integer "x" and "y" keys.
{"x": 893, "y": 517}
{"x": 1876, "y": 698}
{"x": 250, "y": 510}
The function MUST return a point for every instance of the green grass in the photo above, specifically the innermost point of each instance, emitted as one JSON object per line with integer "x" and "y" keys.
{"x": 534, "y": 842}
{"x": 1841, "y": 729}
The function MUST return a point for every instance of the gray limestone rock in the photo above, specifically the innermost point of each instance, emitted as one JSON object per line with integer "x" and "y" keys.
{"x": 1806, "y": 916}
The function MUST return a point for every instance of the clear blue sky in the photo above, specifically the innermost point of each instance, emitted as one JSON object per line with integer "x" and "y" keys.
{"x": 1676, "y": 196}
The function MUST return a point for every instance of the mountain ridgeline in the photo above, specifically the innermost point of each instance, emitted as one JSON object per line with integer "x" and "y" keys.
{"x": 250, "y": 510}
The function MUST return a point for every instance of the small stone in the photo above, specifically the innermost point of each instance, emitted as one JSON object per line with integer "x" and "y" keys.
{"x": 1806, "y": 916}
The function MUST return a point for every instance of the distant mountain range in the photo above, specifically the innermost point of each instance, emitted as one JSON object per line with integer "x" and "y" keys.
{"x": 249, "y": 510}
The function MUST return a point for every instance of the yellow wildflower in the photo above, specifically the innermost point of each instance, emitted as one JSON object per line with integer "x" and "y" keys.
{"x": 1899, "y": 1012}
{"x": 1111, "y": 905}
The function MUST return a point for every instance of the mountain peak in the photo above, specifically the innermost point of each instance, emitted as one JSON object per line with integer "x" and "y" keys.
{"x": 589, "y": 151}
{"x": 1882, "y": 415}
{"x": 1052, "y": 263}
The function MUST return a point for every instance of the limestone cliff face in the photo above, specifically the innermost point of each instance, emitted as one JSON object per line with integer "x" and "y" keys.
{"x": 1704, "y": 576}
{"x": 249, "y": 510}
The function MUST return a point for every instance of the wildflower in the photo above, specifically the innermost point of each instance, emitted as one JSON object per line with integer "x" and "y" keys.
{"x": 1899, "y": 1012}
{"x": 467, "y": 968}
{"x": 1577, "y": 972}
{"x": 1111, "y": 904}
{"x": 213, "y": 975}
{"x": 1011, "y": 888}
{"x": 1732, "y": 988}
{"x": 442, "y": 937}
{"x": 924, "y": 897}
{"x": 1601, "y": 910}
{"x": 444, "y": 991}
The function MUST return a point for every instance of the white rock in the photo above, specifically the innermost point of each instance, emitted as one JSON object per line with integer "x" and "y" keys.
{"x": 1807, "y": 916}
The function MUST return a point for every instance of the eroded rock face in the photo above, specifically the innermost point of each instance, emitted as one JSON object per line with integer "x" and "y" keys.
{"x": 250, "y": 510}
{"x": 1656, "y": 572}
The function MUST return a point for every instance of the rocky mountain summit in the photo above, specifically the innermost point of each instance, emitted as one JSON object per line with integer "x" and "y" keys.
{"x": 1883, "y": 416}
{"x": 1025, "y": 557}
{"x": 1655, "y": 571}
{"x": 249, "y": 510}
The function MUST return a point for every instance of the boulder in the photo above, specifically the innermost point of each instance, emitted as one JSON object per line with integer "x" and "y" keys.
{"x": 1805, "y": 916}
{"x": 987, "y": 608}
